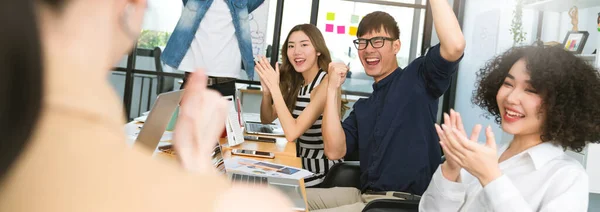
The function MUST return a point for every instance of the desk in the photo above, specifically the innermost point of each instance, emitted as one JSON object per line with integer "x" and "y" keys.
{"x": 285, "y": 155}
{"x": 281, "y": 148}
{"x": 285, "y": 152}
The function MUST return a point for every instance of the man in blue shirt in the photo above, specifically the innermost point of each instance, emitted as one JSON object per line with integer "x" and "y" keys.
{"x": 392, "y": 130}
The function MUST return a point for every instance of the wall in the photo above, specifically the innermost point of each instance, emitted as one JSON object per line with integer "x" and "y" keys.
{"x": 595, "y": 198}
{"x": 486, "y": 27}
{"x": 587, "y": 22}
{"x": 162, "y": 15}
{"x": 594, "y": 203}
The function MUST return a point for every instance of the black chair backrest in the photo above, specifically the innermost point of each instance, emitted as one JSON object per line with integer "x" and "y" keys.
{"x": 345, "y": 174}
{"x": 164, "y": 84}
{"x": 388, "y": 205}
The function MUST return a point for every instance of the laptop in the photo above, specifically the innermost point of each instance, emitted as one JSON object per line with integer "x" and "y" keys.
{"x": 257, "y": 128}
{"x": 263, "y": 129}
{"x": 289, "y": 187}
{"x": 158, "y": 119}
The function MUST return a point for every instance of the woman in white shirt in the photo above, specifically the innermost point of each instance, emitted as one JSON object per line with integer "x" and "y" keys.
{"x": 548, "y": 99}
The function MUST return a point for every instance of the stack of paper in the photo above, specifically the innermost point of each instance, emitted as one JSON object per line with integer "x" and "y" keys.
{"x": 265, "y": 169}
{"x": 217, "y": 159}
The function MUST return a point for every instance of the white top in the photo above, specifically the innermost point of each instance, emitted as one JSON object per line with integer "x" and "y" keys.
{"x": 215, "y": 47}
{"x": 542, "y": 178}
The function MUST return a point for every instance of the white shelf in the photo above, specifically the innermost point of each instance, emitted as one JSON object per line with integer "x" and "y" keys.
{"x": 589, "y": 58}
{"x": 559, "y": 5}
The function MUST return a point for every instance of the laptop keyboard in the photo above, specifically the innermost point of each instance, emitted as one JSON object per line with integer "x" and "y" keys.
{"x": 249, "y": 179}
{"x": 259, "y": 128}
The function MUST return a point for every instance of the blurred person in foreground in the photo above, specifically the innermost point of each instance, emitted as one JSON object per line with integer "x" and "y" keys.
{"x": 64, "y": 147}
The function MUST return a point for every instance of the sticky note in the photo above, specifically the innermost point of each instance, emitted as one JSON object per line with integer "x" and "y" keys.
{"x": 354, "y": 19}
{"x": 341, "y": 29}
{"x": 330, "y": 16}
{"x": 352, "y": 30}
{"x": 328, "y": 27}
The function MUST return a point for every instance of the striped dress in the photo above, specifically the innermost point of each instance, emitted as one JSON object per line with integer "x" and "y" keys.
{"x": 309, "y": 145}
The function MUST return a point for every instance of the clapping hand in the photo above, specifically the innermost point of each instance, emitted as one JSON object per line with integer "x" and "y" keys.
{"x": 269, "y": 78}
{"x": 200, "y": 124}
{"x": 479, "y": 160}
{"x": 451, "y": 168}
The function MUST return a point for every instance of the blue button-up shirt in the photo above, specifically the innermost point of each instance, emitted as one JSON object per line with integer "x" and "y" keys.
{"x": 393, "y": 129}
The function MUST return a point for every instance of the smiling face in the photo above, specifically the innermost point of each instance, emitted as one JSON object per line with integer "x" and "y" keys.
{"x": 519, "y": 103}
{"x": 379, "y": 62}
{"x": 301, "y": 53}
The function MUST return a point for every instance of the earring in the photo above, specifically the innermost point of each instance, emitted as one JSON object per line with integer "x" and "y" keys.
{"x": 129, "y": 9}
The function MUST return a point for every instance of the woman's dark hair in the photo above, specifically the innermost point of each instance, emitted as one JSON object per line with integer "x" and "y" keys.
{"x": 20, "y": 79}
{"x": 570, "y": 91}
{"x": 291, "y": 80}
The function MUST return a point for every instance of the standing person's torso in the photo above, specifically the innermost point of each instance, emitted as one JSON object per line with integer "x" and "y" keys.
{"x": 310, "y": 144}
{"x": 215, "y": 47}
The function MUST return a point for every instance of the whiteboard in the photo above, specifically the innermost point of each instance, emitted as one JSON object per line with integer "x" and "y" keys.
{"x": 258, "y": 28}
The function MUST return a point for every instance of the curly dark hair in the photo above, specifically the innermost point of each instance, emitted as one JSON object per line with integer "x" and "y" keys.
{"x": 570, "y": 91}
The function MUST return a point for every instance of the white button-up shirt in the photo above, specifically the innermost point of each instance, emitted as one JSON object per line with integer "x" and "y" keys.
{"x": 542, "y": 178}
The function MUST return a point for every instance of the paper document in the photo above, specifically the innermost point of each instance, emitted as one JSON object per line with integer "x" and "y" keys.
{"x": 235, "y": 134}
{"x": 141, "y": 119}
{"x": 265, "y": 169}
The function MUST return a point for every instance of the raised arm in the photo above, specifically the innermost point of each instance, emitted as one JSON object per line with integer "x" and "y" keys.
{"x": 294, "y": 128}
{"x": 334, "y": 137}
{"x": 448, "y": 30}
{"x": 442, "y": 60}
{"x": 267, "y": 110}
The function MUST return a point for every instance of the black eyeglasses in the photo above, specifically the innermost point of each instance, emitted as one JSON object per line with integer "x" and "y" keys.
{"x": 376, "y": 42}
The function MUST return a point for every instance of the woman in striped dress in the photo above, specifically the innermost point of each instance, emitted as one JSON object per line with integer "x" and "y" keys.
{"x": 296, "y": 97}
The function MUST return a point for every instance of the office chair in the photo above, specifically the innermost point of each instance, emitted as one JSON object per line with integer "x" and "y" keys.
{"x": 165, "y": 84}
{"x": 396, "y": 205}
{"x": 345, "y": 174}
